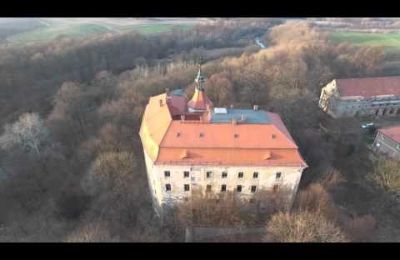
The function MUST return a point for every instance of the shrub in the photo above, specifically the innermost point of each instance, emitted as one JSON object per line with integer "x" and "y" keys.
{"x": 360, "y": 229}
{"x": 386, "y": 174}
{"x": 315, "y": 199}
{"x": 92, "y": 232}
{"x": 302, "y": 226}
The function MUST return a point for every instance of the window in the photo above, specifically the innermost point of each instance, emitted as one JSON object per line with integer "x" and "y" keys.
{"x": 252, "y": 200}
{"x": 168, "y": 187}
{"x": 223, "y": 187}
{"x": 255, "y": 175}
{"x": 208, "y": 189}
{"x": 167, "y": 173}
{"x": 275, "y": 188}
{"x": 186, "y": 187}
{"x": 208, "y": 174}
{"x": 224, "y": 174}
{"x": 278, "y": 175}
{"x": 253, "y": 189}
{"x": 240, "y": 175}
{"x": 185, "y": 174}
{"x": 239, "y": 188}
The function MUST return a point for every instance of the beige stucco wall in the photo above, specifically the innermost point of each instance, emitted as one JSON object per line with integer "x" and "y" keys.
{"x": 290, "y": 178}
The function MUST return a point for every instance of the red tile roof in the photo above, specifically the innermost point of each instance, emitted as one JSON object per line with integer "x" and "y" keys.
{"x": 229, "y": 156}
{"x": 195, "y": 142}
{"x": 208, "y": 135}
{"x": 369, "y": 87}
{"x": 392, "y": 132}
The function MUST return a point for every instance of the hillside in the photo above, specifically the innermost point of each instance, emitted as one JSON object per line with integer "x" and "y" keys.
{"x": 51, "y": 28}
{"x": 79, "y": 175}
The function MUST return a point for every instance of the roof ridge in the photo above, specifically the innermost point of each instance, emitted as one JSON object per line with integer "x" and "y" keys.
{"x": 380, "y": 77}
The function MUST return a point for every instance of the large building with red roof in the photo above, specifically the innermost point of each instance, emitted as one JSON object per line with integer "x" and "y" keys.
{"x": 189, "y": 146}
{"x": 378, "y": 96}
{"x": 387, "y": 141}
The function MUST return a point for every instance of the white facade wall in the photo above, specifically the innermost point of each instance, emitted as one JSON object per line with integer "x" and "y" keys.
{"x": 290, "y": 178}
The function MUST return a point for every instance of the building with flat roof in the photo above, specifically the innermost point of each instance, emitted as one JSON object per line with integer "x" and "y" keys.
{"x": 189, "y": 146}
{"x": 379, "y": 96}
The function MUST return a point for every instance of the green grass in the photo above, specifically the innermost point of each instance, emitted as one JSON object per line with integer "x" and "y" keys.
{"x": 159, "y": 28}
{"x": 52, "y": 31}
{"x": 390, "y": 41}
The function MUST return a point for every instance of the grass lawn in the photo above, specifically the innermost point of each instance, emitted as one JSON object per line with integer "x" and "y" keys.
{"x": 391, "y": 41}
{"x": 159, "y": 28}
{"x": 51, "y": 31}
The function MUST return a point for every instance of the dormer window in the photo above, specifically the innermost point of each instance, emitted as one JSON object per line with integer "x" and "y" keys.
{"x": 201, "y": 135}
{"x": 267, "y": 155}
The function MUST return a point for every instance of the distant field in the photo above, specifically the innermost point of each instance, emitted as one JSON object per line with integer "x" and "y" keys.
{"x": 51, "y": 30}
{"x": 158, "y": 28}
{"x": 391, "y": 41}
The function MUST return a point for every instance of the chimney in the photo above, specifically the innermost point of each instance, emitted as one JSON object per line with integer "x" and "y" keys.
{"x": 255, "y": 107}
{"x": 182, "y": 117}
{"x": 242, "y": 118}
{"x": 234, "y": 121}
{"x": 161, "y": 103}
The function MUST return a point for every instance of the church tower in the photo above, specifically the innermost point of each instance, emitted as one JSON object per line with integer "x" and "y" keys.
{"x": 199, "y": 102}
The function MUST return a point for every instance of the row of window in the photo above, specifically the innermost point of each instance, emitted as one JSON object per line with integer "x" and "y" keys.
{"x": 239, "y": 188}
{"x": 223, "y": 175}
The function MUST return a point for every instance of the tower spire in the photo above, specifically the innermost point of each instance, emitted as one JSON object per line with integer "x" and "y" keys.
{"x": 199, "y": 79}
{"x": 199, "y": 101}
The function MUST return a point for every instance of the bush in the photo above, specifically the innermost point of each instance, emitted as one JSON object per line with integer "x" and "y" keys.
{"x": 386, "y": 174}
{"x": 360, "y": 229}
{"x": 71, "y": 205}
{"x": 315, "y": 199}
{"x": 92, "y": 232}
{"x": 302, "y": 226}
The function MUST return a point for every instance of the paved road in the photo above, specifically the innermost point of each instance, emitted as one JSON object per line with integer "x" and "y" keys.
{"x": 259, "y": 43}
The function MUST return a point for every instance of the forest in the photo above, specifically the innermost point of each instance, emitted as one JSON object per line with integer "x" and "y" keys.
{"x": 71, "y": 161}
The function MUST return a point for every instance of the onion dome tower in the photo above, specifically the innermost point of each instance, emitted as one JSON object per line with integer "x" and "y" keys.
{"x": 199, "y": 102}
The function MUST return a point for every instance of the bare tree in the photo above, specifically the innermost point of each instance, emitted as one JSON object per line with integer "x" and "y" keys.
{"x": 303, "y": 226}
{"x": 92, "y": 232}
{"x": 28, "y": 132}
{"x": 386, "y": 174}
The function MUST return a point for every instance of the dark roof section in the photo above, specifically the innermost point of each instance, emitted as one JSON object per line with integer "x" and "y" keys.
{"x": 249, "y": 116}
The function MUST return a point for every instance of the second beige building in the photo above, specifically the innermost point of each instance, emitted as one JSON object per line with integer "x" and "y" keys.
{"x": 378, "y": 96}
